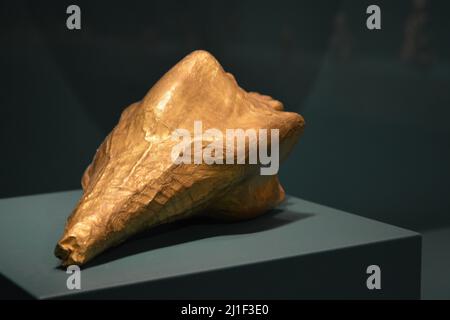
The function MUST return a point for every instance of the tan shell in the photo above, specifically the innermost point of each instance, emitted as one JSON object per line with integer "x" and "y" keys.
{"x": 132, "y": 184}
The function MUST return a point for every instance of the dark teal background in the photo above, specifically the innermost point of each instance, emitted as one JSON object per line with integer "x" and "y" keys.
{"x": 377, "y": 141}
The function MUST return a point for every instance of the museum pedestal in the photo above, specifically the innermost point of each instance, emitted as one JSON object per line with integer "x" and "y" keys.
{"x": 300, "y": 250}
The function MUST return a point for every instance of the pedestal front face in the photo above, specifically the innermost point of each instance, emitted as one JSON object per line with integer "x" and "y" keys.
{"x": 300, "y": 250}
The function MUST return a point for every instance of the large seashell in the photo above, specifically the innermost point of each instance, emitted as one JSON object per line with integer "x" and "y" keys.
{"x": 133, "y": 183}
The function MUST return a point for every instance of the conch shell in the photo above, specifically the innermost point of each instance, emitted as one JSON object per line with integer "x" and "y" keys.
{"x": 133, "y": 184}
